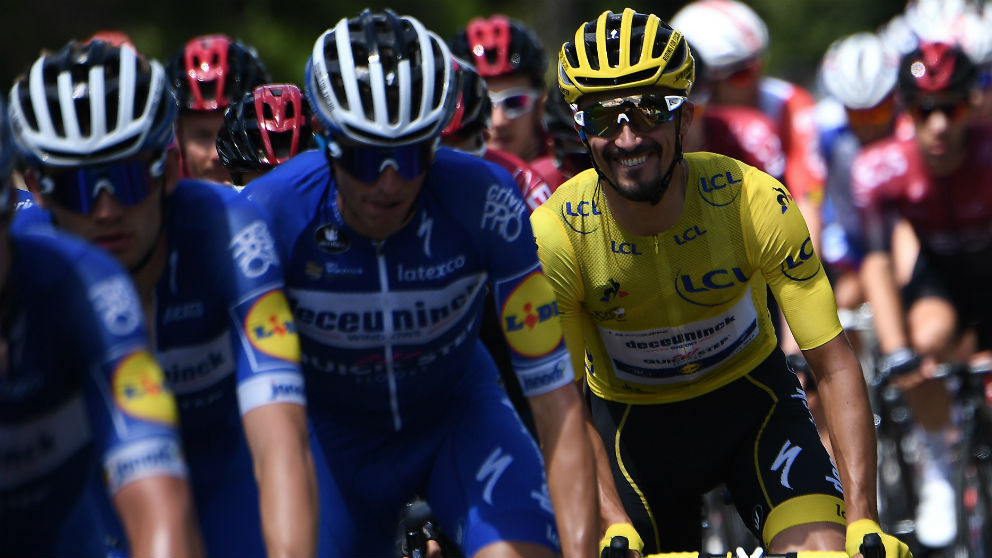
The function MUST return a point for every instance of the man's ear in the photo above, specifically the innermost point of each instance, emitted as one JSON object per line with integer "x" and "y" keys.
{"x": 688, "y": 113}
{"x": 32, "y": 179}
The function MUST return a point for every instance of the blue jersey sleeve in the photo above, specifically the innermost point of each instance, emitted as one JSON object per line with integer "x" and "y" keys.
{"x": 269, "y": 355}
{"x": 131, "y": 413}
{"x": 524, "y": 298}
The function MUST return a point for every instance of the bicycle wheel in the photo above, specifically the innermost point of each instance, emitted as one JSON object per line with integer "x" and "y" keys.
{"x": 973, "y": 480}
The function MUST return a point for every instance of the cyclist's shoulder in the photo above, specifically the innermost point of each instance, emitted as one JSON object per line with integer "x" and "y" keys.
{"x": 290, "y": 180}
{"x": 52, "y": 256}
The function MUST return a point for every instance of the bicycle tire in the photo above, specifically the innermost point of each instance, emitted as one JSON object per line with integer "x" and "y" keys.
{"x": 973, "y": 484}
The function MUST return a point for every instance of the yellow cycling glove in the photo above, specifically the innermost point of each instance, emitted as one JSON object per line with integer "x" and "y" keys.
{"x": 634, "y": 541}
{"x": 894, "y": 548}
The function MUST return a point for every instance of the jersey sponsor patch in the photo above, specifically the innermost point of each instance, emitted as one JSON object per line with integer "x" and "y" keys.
{"x": 504, "y": 213}
{"x": 254, "y": 250}
{"x": 34, "y": 448}
{"x": 582, "y": 216}
{"x": 530, "y": 317}
{"x": 802, "y": 266}
{"x": 270, "y": 328}
{"x": 115, "y": 300}
{"x": 148, "y": 457}
{"x": 139, "y": 389}
{"x": 721, "y": 188}
{"x": 264, "y": 389}
{"x": 681, "y": 354}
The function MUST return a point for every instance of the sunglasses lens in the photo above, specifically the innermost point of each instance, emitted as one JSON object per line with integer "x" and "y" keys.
{"x": 644, "y": 113}
{"x": 514, "y": 102}
{"x": 953, "y": 110}
{"x": 367, "y": 163}
{"x": 77, "y": 189}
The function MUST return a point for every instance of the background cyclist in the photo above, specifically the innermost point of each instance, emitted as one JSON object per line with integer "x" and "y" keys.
{"x": 80, "y": 391}
{"x": 208, "y": 278}
{"x": 209, "y": 73}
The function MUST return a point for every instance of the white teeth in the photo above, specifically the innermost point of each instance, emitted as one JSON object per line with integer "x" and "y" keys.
{"x": 633, "y": 161}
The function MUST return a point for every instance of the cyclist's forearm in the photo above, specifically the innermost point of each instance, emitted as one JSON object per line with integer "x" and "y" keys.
{"x": 560, "y": 418}
{"x": 286, "y": 480}
{"x": 158, "y": 517}
{"x": 882, "y": 293}
{"x": 841, "y": 385}
{"x": 610, "y": 507}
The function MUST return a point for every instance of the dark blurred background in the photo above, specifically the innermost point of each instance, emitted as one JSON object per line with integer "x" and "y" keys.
{"x": 283, "y": 31}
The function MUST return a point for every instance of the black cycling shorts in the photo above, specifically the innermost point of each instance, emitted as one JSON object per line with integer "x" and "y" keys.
{"x": 972, "y": 300}
{"x": 755, "y": 434}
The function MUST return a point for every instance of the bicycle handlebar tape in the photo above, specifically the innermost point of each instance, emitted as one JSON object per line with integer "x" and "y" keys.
{"x": 624, "y": 533}
{"x": 899, "y": 361}
{"x": 891, "y": 547}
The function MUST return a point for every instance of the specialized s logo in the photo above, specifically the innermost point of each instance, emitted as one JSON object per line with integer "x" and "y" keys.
{"x": 798, "y": 267}
{"x": 139, "y": 389}
{"x": 576, "y": 216}
{"x": 530, "y": 317}
{"x": 270, "y": 329}
{"x": 115, "y": 300}
{"x": 721, "y": 189}
{"x": 254, "y": 250}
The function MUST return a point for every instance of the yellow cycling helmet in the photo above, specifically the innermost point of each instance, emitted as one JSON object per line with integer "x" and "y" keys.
{"x": 624, "y": 51}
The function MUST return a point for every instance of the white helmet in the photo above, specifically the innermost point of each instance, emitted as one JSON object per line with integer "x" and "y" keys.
{"x": 975, "y": 35}
{"x": 381, "y": 79}
{"x": 859, "y": 70}
{"x": 726, "y": 34}
{"x": 91, "y": 103}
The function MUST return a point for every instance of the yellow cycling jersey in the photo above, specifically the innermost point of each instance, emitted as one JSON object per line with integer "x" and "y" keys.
{"x": 672, "y": 316}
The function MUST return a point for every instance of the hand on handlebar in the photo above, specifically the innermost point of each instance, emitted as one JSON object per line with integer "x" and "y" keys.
{"x": 856, "y": 539}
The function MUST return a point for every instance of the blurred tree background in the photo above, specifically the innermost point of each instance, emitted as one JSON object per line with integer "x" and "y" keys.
{"x": 283, "y": 31}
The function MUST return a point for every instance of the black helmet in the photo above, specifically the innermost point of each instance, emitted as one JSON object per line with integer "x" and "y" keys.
{"x": 266, "y": 127}
{"x": 500, "y": 46}
{"x": 935, "y": 68}
{"x": 211, "y": 72}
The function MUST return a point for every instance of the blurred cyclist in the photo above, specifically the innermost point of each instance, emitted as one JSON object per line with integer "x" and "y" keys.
{"x": 264, "y": 128}
{"x": 392, "y": 243}
{"x": 209, "y": 73}
{"x": 80, "y": 391}
{"x": 207, "y": 275}
{"x": 511, "y": 58}
{"x": 938, "y": 180}
{"x": 731, "y": 39}
{"x": 568, "y": 155}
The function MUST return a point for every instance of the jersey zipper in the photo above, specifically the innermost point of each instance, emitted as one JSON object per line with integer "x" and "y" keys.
{"x": 387, "y": 321}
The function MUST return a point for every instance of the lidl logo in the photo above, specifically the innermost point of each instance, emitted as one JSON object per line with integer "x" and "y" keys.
{"x": 530, "y": 317}
{"x": 139, "y": 389}
{"x": 270, "y": 329}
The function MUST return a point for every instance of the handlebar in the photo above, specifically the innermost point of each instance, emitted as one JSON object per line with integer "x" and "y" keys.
{"x": 871, "y": 547}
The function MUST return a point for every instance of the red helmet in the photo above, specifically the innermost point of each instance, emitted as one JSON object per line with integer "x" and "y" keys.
{"x": 112, "y": 37}
{"x": 266, "y": 127}
{"x": 934, "y": 68}
{"x": 212, "y": 71}
{"x": 501, "y": 46}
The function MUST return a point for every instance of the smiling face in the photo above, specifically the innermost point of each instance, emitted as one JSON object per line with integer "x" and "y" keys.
{"x": 635, "y": 160}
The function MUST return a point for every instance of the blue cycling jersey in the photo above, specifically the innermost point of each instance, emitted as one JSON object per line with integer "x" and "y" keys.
{"x": 225, "y": 339}
{"x": 385, "y": 325}
{"x": 80, "y": 384}
{"x": 389, "y": 332}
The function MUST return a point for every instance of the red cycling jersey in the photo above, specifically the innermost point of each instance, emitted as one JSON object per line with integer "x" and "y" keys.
{"x": 791, "y": 108}
{"x": 532, "y": 185}
{"x": 744, "y": 134}
{"x": 952, "y": 215}
{"x": 549, "y": 171}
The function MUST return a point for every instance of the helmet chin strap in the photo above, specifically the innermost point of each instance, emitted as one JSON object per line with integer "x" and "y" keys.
{"x": 665, "y": 180}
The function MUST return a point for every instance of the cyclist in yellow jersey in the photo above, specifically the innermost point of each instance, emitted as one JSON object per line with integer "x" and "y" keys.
{"x": 660, "y": 264}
